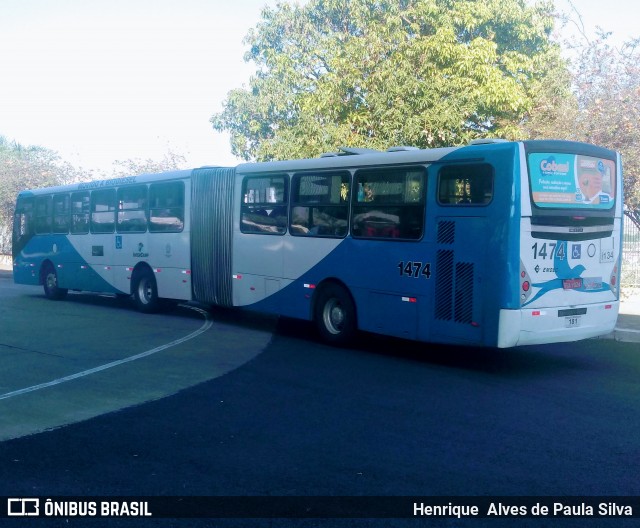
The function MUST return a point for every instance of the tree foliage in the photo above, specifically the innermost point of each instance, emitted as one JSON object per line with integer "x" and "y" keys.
{"x": 377, "y": 73}
{"x": 23, "y": 168}
{"x": 604, "y": 107}
{"x": 170, "y": 162}
{"x": 32, "y": 167}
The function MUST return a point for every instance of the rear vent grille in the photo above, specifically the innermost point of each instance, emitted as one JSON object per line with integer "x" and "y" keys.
{"x": 446, "y": 232}
{"x": 444, "y": 285}
{"x": 454, "y": 289}
{"x": 464, "y": 293}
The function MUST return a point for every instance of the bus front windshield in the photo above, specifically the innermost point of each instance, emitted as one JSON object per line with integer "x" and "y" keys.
{"x": 571, "y": 181}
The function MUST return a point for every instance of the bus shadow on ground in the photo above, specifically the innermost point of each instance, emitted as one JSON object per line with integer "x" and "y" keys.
{"x": 517, "y": 362}
{"x": 523, "y": 362}
{"x": 227, "y": 316}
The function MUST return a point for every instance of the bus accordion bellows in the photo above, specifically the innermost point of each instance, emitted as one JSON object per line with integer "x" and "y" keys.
{"x": 495, "y": 244}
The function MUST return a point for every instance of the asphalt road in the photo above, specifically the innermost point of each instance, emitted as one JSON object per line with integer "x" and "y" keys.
{"x": 63, "y": 362}
{"x": 294, "y": 417}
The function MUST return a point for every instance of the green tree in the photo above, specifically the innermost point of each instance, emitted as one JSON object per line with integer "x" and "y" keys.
{"x": 377, "y": 73}
{"x": 26, "y": 168}
{"x": 608, "y": 92}
{"x": 604, "y": 107}
{"x": 32, "y": 167}
{"x": 21, "y": 168}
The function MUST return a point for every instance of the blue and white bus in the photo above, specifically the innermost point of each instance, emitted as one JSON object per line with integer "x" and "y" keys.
{"x": 496, "y": 243}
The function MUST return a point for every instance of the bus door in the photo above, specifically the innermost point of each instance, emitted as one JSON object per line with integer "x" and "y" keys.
{"x": 462, "y": 230}
{"x": 23, "y": 231}
{"x": 388, "y": 260}
{"x": 98, "y": 248}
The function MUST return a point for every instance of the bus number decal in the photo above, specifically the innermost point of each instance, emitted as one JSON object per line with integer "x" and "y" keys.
{"x": 607, "y": 256}
{"x": 415, "y": 270}
{"x": 549, "y": 251}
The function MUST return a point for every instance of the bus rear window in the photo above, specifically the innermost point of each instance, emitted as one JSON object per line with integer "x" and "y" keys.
{"x": 465, "y": 184}
{"x": 571, "y": 181}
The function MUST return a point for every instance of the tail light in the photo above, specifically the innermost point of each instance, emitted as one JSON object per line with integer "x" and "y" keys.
{"x": 525, "y": 284}
{"x": 614, "y": 280}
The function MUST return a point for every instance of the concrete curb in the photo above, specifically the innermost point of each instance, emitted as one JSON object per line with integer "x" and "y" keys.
{"x": 625, "y": 335}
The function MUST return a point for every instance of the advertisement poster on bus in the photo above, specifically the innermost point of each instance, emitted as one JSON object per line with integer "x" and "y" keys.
{"x": 571, "y": 181}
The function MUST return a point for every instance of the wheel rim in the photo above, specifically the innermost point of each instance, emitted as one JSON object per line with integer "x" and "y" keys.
{"x": 52, "y": 281}
{"x": 145, "y": 291}
{"x": 334, "y": 316}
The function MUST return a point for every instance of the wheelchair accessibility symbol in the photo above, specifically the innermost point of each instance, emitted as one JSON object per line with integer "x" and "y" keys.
{"x": 576, "y": 251}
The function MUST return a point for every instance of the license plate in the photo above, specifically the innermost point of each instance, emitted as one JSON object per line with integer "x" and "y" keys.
{"x": 572, "y": 321}
{"x": 571, "y": 284}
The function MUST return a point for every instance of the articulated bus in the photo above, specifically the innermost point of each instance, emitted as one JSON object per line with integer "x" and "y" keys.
{"x": 495, "y": 243}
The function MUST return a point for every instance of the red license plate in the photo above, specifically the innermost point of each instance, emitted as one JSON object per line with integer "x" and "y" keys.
{"x": 571, "y": 284}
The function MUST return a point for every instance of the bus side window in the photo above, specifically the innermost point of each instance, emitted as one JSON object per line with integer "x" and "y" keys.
{"x": 43, "y": 215}
{"x": 103, "y": 208}
{"x": 320, "y": 204}
{"x": 389, "y": 203}
{"x": 61, "y": 207}
{"x": 132, "y": 209}
{"x": 80, "y": 209}
{"x": 166, "y": 207}
{"x": 264, "y": 205}
{"x": 468, "y": 184}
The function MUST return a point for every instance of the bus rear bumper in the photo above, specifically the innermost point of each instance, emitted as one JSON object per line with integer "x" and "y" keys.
{"x": 553, "y": 325}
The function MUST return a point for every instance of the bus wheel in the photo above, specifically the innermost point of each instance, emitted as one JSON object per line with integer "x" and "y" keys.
{"x": 50, "y": 283}
{"x": 335, "y": 315}
{"x": 145, "y": 292}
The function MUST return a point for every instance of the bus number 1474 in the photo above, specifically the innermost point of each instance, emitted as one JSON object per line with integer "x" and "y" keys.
{"x": 553, "y": 250}
{"x": 415, "y": 270}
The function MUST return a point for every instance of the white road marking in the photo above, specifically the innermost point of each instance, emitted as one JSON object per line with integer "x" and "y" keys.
{"x": 207, "y": 324}
{"x": 633, "y": 331}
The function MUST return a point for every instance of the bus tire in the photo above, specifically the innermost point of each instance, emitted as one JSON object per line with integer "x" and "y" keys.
{"x": 50, "y": 284}
{"x": 335, "y": 315}
{"x": 145, "y": 292}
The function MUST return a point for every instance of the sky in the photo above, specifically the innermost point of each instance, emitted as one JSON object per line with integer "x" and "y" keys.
{"x": 618, "y": 16}
{"x": 105, "y": 80}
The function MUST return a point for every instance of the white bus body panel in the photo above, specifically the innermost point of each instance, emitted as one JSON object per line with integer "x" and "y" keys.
{"x": 533, "y": 327}
{"x": 113, "y": 256}
{"x": 283, "y": 259}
